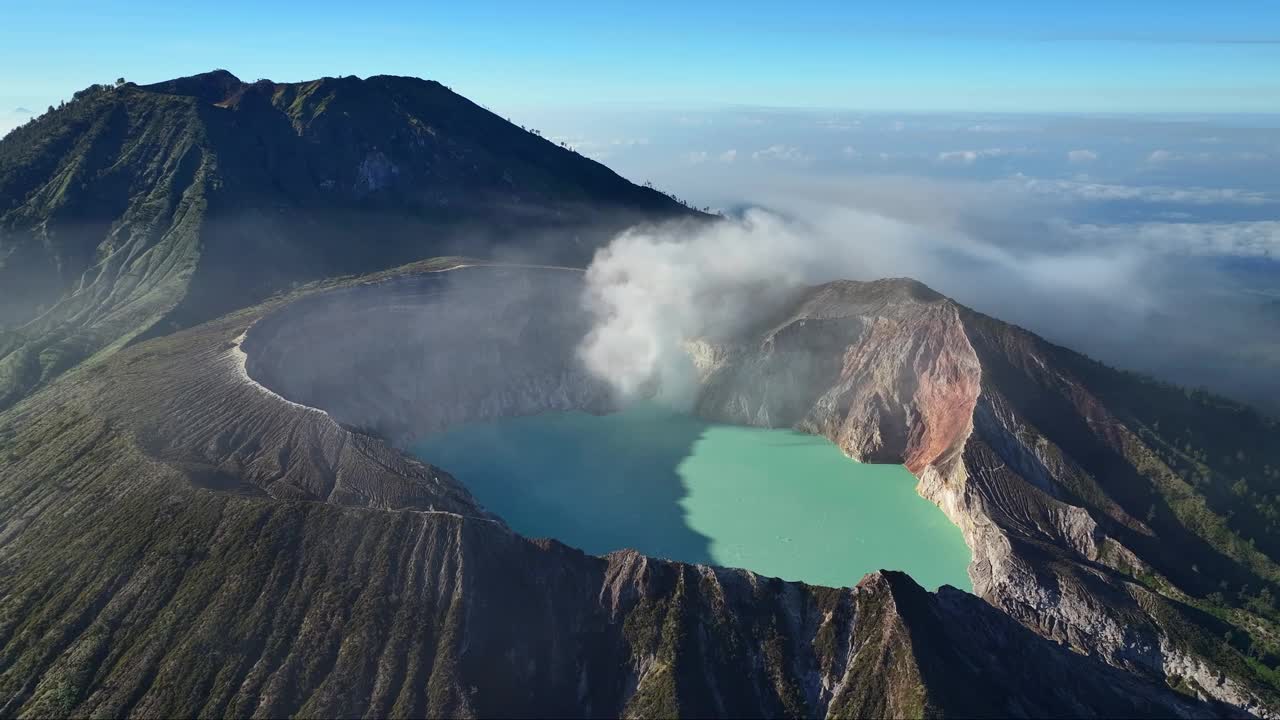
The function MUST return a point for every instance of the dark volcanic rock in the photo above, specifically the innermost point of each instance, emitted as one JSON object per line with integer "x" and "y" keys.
{"x": 179, "y": 540}
{"x": 133, "y": 211}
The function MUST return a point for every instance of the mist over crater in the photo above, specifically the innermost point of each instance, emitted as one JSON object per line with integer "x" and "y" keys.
{"x": 486, "y": 372}
{"x": 421, "y": 353}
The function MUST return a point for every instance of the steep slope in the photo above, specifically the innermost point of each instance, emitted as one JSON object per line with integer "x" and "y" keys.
{"x": 137, "y": 210}
{"x": 177, "y": 540}
{"x": 1128, "y": 520}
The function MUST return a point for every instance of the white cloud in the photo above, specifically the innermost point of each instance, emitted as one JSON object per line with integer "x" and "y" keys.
{"x": 653, "y": 289}
{"x": 785, "y": 153}
{"x": 1103, "y": 192}
{"x": 1250, "y": 239}
{"x": 728, "y": 156}
{"x": 1081, "y": 157}
{"x": 598, "y": 149}
{"x": 849, "y": 152}
{"x": 990, "y": 128}
{"x": 839, "y": 124}
{"x": 697, "y": 157}
{"x": 969, "y": 157}
{"x": 583, "y": 146}
{"x": 23, "y": 111}
{"x": 1168, "y": 156}
{"x": 693, "y": 120}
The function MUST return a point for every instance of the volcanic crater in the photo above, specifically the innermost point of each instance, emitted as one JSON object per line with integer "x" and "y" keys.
{"x": 457, "y": 350}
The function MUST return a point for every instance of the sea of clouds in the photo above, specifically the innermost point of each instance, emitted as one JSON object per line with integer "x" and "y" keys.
{"x": 1151, "y": 244}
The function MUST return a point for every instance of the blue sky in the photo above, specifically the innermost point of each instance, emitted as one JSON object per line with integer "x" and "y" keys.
{"x": 1084, "y": 56}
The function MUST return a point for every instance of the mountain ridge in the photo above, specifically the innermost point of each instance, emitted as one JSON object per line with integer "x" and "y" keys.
{"x": 135, "y": 210}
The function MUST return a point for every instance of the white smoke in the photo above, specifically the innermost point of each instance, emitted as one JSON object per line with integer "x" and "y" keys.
{"x": 653, "y": 289}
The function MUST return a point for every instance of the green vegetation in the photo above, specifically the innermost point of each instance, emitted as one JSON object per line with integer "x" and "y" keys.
{"x": 657, "y": 629}
{"x": 886, "y": 679}
{"x": 1181, "y": 479}
{"x": 1216, "y": 464}
{"x": 131, "y": 212}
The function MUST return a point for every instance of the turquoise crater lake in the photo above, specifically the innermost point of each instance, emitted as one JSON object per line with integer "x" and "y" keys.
{"x": 778, "y": 502}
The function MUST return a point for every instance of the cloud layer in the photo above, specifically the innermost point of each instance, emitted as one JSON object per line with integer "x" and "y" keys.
{"x": 653, "y": 289}
{"x": 1149, "y": 243}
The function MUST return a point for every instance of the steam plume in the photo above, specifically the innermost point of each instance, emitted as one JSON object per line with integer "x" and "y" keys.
{"x": 653, "y": 289}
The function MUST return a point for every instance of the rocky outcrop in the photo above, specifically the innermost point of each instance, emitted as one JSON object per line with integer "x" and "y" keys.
{"x": 883, "y": 369}
{"x": 212, "y": 524}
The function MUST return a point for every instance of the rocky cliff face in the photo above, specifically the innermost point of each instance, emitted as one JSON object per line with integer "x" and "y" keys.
{"x": 212, "y": 524}
{"x": 1024, "y": 457}
{"x": 883, "y": 369}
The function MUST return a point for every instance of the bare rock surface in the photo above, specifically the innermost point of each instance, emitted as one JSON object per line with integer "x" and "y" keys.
{"x": 218, "y": 523}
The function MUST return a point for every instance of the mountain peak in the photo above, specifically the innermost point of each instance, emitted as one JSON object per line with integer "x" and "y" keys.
{"x": 258, "y": 185}
{"x": 213, "y": 86}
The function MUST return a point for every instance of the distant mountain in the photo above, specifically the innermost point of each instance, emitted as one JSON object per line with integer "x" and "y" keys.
{"x": 135, "y": 210}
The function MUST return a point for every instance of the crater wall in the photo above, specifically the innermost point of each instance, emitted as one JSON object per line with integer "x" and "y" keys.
{"x": 887, "y": 370}
{"x": 179, "y": 541}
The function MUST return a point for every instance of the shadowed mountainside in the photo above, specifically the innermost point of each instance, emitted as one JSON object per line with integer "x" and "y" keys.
{"x": 176, "y": 539}
{"x": 132, "y": 211}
